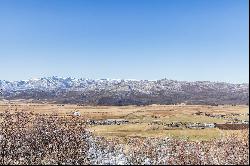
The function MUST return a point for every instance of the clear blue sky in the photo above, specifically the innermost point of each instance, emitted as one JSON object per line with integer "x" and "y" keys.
{"x": 131, "y": 39}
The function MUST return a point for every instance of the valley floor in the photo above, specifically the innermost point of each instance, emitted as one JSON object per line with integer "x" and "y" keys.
{"x": 47, "y": 133}
{"x": 146, "y": 121}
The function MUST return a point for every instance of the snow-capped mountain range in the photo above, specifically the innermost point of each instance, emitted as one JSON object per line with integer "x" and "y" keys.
{"x": 123, "y": 92}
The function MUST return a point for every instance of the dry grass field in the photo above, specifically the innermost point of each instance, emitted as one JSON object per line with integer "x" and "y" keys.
{"x": 143, "y": 130}
{"x": 141, "y": 117}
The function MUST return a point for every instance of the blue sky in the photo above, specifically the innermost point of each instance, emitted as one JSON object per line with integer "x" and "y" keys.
{"x": 130, "y": 39}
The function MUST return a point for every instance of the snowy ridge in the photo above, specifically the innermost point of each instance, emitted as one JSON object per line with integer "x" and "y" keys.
{"x": 52, "y": 83}
{"x": 109, "y": 91}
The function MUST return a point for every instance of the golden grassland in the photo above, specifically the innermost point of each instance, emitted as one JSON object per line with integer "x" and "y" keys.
{"x": 142, "y": 114}
{"x": 143, "y": 130}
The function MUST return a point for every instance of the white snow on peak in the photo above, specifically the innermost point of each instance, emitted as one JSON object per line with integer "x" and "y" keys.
{"x": 144, "y": 86}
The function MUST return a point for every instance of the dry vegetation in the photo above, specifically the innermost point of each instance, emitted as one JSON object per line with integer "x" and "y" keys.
{"x": 143, "y": 115}
{"x": 49, "y": 134}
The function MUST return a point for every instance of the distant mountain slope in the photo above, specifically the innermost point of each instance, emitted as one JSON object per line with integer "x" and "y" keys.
{"x": 125, "y": 92}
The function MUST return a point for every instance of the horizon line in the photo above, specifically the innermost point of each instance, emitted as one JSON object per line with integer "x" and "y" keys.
{"x": 119, "y": 79}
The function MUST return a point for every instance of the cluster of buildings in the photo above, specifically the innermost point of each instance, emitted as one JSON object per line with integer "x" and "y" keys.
{"x": 107, "y": 122}
{"x": 231, "y": 117}
{"x": 172, "y": 125}
{"x": 183, "y": 125}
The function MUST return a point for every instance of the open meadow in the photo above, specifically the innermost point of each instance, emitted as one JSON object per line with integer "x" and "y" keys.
{"x": 143, "y": 121}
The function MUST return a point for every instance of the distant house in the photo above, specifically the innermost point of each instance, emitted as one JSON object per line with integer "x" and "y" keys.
{"x": 76, "y": 113}
{"x": 245, "y": 122}
{"x": 201, "y": 125}
{"x": 115, "y": 121}
{"x": 209, "y": 125}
